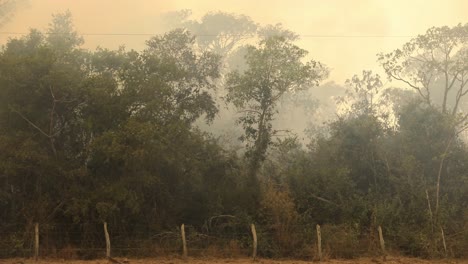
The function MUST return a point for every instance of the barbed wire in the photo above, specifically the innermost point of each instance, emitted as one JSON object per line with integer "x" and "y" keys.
{"x": 56, "y": 242}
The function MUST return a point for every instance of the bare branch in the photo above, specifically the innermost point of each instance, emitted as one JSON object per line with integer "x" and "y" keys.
{"x": 249, "y": 111}
{"x": 453, "y": 80}
{"x": 460, "y": 94}
{"x": 425, "y": 97}
{"x": 30, "y": 122}
{"x": 403, "y": 80}
{"x": 324, "y": 200}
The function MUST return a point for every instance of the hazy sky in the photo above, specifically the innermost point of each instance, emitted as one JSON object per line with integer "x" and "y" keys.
{"x": 357, "y": 29}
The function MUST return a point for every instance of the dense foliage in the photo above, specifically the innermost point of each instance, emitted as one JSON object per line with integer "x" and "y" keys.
{"x": 111, "y": 136}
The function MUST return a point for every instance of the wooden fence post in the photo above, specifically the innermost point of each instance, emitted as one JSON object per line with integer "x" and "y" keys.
{"x": 319, "y": 242}
{"x": 108, "y": 245}
{"x": 254, "y": 235}
{"x": 184, "y": 241}
{"x": 36, "y": 241}
{"x": 382, "y": 244}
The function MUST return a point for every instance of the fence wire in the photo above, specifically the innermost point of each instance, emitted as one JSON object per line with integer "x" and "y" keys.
{"x": 74, "y": 241}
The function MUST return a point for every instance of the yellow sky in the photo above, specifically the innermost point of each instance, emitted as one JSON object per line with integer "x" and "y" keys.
{"x": 345, "y": 55}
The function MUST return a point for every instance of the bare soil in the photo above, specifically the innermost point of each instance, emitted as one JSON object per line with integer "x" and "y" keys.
{"x": 390, "y": 260}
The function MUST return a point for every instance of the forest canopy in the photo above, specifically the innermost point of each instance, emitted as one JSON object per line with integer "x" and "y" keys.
{"x": 123, "y": 137}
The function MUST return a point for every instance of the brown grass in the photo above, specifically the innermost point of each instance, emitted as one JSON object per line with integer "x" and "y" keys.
{"x": 390, "y": 260}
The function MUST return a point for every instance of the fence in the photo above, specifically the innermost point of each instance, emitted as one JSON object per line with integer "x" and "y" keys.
{"x": 40, "y": 241}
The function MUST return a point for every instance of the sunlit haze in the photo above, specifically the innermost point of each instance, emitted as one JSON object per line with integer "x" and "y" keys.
{"x": 344, "y": 34}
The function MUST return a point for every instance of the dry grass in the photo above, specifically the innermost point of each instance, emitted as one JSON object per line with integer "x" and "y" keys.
{"x": 390, "y": 260}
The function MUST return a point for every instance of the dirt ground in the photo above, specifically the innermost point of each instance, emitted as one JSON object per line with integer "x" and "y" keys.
{"x": 390, "y": 260}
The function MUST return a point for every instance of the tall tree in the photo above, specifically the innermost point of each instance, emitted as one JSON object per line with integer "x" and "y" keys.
{"x": 276, "y": 30}
{"x": 41, "y": 95}
{"x": 218, "y": 32}
{"x": 8, "y": 9}
{"x": 436, "y": 63}
{"x": 275, "y": 67}
{"x": 432, "y": 64}
{"x": 362, "y": 96}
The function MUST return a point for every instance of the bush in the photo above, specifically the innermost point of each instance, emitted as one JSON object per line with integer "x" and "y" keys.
{"x": 341, "y": 241}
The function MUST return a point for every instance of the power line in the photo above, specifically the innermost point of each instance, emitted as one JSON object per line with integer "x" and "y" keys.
{"x": 214, "y": 35}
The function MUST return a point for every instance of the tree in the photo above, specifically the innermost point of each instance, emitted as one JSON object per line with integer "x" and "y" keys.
{"x": 433, "y": 63}
{"x": 362, "y": 95}
{"x": 186, "y": 77}
{"x": 413, "y": 156}
{"x": 7, "y": 10}
{"x": 275, "y": 68}
{"x": 436, "y": 62}
{"x": 61, "y": 34}
{"x": 41, "y": 96}
{"x": 86, "y": 136}
{"x": 276, "y": 30}
{"x": 218, "y": 32}
{"x": 149, "y": 143}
